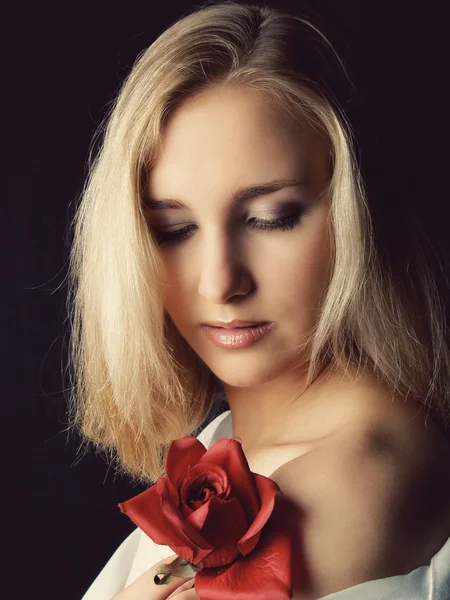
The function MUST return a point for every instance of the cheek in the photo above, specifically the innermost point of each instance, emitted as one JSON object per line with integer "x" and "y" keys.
{"x": 302, "y": 267}
{"x": 178, "y": 297}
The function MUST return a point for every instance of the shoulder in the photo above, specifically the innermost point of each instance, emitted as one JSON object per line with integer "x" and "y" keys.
{"x": 366, "y": 495}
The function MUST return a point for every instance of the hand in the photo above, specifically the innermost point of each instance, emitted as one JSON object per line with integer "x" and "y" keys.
{"x": 145, "y": 588}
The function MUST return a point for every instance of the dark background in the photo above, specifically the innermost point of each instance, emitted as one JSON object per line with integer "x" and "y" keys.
{"x": 62, "y": 64}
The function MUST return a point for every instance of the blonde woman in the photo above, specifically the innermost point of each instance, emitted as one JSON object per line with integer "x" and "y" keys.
{"x": 224, "y": 242}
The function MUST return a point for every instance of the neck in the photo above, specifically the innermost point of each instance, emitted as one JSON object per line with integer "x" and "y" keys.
{"x": 262, "y": 416}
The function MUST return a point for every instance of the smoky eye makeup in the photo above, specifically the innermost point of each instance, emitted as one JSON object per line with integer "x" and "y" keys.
{"x": 285, "y": 216}
{"x": 281, "y": 209}
{"x": 270, "y": 211}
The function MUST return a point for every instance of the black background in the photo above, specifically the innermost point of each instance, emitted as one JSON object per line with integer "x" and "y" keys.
{"x": 62, "y": 64}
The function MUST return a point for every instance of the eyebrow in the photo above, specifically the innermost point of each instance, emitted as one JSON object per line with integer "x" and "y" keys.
{"x": 241, "y": 195}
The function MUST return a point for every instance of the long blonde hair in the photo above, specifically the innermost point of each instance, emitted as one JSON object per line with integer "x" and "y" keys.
{"x": 136, "y": 384}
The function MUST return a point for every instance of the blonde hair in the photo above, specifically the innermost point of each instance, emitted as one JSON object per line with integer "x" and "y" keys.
{"x": 137, "y": 385}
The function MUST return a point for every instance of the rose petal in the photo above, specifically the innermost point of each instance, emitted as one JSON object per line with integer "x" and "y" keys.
{"x": 229, "y": 455}
{"x": 146, "y": 510}
{"x": 207, "y": 472}
{"x": 181, "y": 456}
{"x": 186, "y": 510}
{"x": 164, "y": 486}
{"x": 193, "y": 546}
{"x": 267, "y": 489}
{"x": 223, "y": 526}
{"x": 265, "y": 573}
{"x": 198, "y": 517}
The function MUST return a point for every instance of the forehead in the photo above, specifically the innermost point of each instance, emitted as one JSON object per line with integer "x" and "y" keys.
{"x": 231, "y": 136}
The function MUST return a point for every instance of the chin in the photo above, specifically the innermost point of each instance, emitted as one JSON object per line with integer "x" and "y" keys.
{"x": 247, "y": 377}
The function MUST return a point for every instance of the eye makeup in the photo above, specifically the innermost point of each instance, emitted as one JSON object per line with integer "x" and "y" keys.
{"x": 287, "y": 216}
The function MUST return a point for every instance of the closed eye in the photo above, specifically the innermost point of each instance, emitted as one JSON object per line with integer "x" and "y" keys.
{"x": 287, "y": 222}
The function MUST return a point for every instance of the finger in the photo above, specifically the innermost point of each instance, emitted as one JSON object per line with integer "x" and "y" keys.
{"x": 144, "y": 587}
{"x": 184, "y": 587}
{"x": 187, "y": 595}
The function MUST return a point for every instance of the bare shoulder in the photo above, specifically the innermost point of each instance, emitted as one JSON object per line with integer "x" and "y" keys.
{"x": 375, "y": 496}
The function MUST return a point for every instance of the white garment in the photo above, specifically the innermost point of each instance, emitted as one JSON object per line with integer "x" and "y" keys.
{"x": 138, "y": 553}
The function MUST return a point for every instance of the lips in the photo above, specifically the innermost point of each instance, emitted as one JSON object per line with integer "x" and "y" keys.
{"x": 243, "y": 326}
{"x": 239, "y": 326}
{"x": 237, "y": 337}
{"x": 236, "y": 324}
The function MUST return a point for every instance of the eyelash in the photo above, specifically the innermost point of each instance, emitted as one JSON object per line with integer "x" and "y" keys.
{"x": 282, "y": 224}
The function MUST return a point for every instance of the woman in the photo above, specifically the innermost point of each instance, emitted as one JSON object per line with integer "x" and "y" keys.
{"x": 224, "y": 242}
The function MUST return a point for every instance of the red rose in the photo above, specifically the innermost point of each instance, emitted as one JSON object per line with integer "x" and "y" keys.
{"x": 212, "y": 511}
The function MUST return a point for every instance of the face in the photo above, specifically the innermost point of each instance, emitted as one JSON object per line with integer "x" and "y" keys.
{"x": 263, "y": 258}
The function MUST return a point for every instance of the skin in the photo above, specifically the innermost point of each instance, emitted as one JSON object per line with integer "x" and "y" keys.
{"x": 144, "y": 587}
{"x": 215, "y": 143}
{"x": 345, "y": 429}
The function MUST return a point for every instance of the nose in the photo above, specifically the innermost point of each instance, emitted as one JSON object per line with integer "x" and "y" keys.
{"x": 223, "y": 273}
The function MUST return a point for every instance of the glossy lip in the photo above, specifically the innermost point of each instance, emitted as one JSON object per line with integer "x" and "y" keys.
{"x": 237, "y": 337}
{"x": 233, "y": 324}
